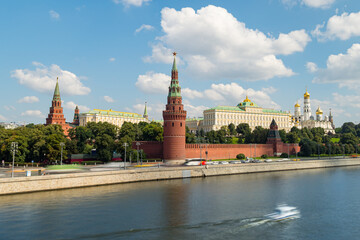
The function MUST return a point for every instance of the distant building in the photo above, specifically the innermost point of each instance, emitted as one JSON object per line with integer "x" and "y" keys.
{"x": 11, "y": 125}
{"x": 308, "y": 121}
{"x": 194, "y": 124}
{"x": 114, "y": 117}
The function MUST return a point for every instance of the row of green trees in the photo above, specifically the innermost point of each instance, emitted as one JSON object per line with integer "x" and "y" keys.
{"x": 41, "y": 143}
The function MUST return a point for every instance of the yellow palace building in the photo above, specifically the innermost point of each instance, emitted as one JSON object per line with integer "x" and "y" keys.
{"x": 245, "y": 112}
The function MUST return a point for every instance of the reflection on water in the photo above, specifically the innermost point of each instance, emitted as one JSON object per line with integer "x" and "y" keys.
{"x": 226, "y": 207}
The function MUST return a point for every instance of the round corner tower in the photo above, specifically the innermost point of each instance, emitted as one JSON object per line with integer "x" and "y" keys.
{"x": 174, "y": 122}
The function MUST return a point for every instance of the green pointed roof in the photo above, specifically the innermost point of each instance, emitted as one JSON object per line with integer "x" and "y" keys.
{"x": 56, "y": 96}
{"x": 174, "y": 89}
{"x": 145, "y": 112}
{"x": 174, "y": 68}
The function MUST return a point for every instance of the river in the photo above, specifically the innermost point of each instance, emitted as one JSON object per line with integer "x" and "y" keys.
{"x": 225, "y": 207}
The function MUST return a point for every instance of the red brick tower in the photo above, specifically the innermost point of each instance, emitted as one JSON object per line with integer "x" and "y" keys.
{"x": 174, "y": 122}
{"x": 275, "y": 139}
{"x": 56, "y": 115}
{"x": 76, "y": 116}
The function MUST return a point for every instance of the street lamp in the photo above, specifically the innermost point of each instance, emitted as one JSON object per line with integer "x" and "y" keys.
{"x": 14, "y": 148}
{"x": 125, "y": 145}
{"x": 318, "y": 145}
{"x": 137, "y": 146}
{"x": 329, "y": 151}
{"x": 62, "y": 146}
{"x": 200, "y": 151}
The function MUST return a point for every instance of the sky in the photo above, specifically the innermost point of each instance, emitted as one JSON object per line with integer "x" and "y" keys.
{"x": 117, "y": 54}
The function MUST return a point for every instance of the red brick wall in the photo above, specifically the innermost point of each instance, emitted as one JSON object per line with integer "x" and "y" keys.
{"x": 218, "y": 151}
{"x": 152, "y": 149}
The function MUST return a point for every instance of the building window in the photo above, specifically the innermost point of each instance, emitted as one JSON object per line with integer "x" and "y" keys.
{"x": 172, "y": 124}
{"x": 180, "y": 124}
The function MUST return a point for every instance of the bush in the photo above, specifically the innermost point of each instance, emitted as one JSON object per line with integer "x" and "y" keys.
{"x": 240, "y": 156}
{"x": 284, "y": 155}
{"x": 264, "y": 156}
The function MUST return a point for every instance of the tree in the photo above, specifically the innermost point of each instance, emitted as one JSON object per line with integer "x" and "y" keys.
{"x": 190, "y": 137}
{"x": 105, "y": 147}
{"x": 349, "y": 138}
{"x": 153, "y": 132}
{"x": 232, "y": 129}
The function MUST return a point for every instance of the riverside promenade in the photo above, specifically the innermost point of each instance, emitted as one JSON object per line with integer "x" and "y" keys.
{"x": 88, "y": 179}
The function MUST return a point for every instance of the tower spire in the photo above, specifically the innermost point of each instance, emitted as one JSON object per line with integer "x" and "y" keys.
{"x": 174, "y": 68}
{"x": 145, "y": 112}
{"x": 56, "y": 96}
{"x": 174, "y": 89}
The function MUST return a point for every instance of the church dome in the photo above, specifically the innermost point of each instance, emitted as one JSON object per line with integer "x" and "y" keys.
{"x": 297, "y": 105}
{"x": 319, "y": 111}
{"x": 306, "y": 94}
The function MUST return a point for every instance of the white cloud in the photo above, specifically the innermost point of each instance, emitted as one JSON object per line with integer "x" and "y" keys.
{"x": 153, "y": 83}
{"x": 144, "y": 27}
{"x": 33, "y": 113}
{"x": 159, "y": 54}
{"x": 269, "y": 90}
{"x": 311, "y": 67}
{"x": 342, "y": 69}
{"x": 108, "y": 99}
{"x": 189, "y": 93}
{"x": 309, "y": 3}
{"x": 318, "y": 3}
{"x": 347, "y": 100}
{"x": 71, "y": 106}
{"x": 193, "y": 111}
{"x": 112, "y": 59}
{"x": 342, "y": 27}
{"x": 128, "y": 3}
{"x": 43, "y": 79}
{"x": 29, "y": 99}
{"x": 54, "y": 15}
{"x": 2, "y": 118}
{"x": 214, "y": 44}
{"x": 8, "y": 108}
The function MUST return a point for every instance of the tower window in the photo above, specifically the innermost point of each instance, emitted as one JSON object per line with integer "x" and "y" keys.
{"x": 172, "y": 124}
{"x": 173, "y": 108}
{"x": 179, "y": 108}
{"x": 180, "y": 124}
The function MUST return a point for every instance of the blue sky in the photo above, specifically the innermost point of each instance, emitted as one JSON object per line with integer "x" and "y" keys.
{"x": 117, "y": 54}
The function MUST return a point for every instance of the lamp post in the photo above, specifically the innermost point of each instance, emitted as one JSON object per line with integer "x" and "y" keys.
{"x": 62, "y": 146}
{"x": 200, "y": 151}
{"x": 329, "y": 151}
{"x": 318, "y": 150}
{"x": 137, "y": 146}
{"x": 14, "y": 148}
{"x": 288, "y": 151}
{"x": 125, "y": 145}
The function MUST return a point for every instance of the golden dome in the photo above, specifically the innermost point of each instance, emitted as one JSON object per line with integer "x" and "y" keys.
{"x": 297, "y": 105}
{"x": 319, "y": 111}
{"x": 306, "y": 95}
{"x": 246, "y": 99}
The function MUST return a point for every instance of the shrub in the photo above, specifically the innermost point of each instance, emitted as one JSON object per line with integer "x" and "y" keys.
{"x": 264, "y": 156}
{"x": 284, "y": 155}
{"x": 240, "y": 156}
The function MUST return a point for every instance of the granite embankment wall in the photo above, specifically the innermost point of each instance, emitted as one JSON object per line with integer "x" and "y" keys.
{"x": 74, "y": 180}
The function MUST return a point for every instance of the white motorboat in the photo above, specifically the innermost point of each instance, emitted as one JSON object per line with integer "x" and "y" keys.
{"x": 283, "y": 212}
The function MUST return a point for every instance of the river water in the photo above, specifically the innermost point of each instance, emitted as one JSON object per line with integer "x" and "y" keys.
{"x": 225, "y": 207}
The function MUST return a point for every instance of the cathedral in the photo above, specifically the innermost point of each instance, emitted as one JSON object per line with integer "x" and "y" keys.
{"x": 309, "y": 121}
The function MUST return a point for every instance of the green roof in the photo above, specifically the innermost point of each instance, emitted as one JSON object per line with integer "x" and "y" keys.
{"x": 273, "y": 111}
{"x": 195, "y": 119}
{"x": 248, "y": 104}
{"x": 174, "y": 89}
{"x": 230, "y": 108}
{"x": 114, "y": 113}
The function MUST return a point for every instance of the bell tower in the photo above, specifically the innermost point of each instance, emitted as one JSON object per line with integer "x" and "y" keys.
{"x": 174, "y": 122}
